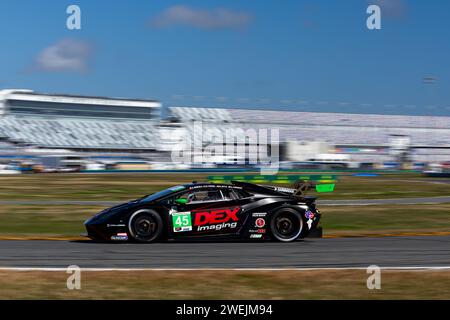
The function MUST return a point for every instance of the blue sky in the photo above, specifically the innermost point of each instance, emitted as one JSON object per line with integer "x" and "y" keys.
{"x": 291, "y": 55}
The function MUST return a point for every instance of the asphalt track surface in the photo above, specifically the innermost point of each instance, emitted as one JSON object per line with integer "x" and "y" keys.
{"x": 445, "y": 199}
{"x": 430, "y": 251}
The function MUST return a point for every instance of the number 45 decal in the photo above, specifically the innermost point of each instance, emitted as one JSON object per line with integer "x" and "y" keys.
{"x": 181, "y": 221}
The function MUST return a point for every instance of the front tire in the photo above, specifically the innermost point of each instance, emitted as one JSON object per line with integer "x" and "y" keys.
{"x": 286, "y": 224}
{"x": 145, "y": 226}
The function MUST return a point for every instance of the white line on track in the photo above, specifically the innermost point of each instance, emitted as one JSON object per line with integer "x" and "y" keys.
{"x": 426, "y": 268}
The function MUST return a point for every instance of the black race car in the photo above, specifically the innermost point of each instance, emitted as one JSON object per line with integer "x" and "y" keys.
{"x": 239, "y": 210}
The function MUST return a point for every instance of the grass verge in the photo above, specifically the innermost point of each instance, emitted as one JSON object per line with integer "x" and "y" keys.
{"x": 382, "y": 219}
{"x": 126, "y": 186}
{"x": 320, "y": 284}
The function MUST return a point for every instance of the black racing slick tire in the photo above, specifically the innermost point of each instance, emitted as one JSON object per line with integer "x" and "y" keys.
{"x": 145, "y": 226}
{"x": 286, "y": 224}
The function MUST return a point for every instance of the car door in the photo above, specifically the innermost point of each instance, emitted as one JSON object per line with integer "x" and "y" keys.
{"x": 205, "y": 211}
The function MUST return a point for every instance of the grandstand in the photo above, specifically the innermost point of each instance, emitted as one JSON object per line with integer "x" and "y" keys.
{"x": 338, "y": 128}
{"x": 429, "y": 135}
{"x": 102, "y": 125}
{"x": 78, "y": 122}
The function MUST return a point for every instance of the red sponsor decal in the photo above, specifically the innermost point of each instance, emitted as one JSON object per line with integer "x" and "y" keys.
{"x": 216, "y": 216}
{"x": 260, "y": 222}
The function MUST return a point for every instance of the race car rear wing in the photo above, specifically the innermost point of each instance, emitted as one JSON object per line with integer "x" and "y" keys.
{"x": 299, "y": 189}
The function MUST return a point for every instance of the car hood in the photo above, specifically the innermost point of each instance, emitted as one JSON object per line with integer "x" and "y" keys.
{"x": 109, "y": 212}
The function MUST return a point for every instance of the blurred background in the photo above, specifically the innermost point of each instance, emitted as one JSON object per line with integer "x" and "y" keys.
{"x": 343, "y": 97}
{"x": 42, "y": 133}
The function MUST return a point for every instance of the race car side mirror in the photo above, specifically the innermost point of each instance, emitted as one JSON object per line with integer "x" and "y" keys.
{"x": 181, "y": 201}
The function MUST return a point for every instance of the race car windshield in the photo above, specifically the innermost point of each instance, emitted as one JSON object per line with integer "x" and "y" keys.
{"x": 161, "y": 194}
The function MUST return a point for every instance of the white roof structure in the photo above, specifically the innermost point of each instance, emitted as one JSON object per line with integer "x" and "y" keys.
{"x": 30, "y": 95}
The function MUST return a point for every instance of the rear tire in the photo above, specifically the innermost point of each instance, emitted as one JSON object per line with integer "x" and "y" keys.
{"x": 286, "y": 224}
{"x": 145, "y": 226}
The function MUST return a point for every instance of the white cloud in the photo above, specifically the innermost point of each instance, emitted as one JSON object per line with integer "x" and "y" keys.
{"x": 218, "y": 18}
{"x": 67, "y": 55}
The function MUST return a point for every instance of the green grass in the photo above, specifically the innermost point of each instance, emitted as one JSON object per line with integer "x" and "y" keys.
{"x": 380, "y": 219}
{"x": 306, "y": 285}
{"x": 120, "y": 187}
{"x": 44, "y": 221}
{"x": 387, "y": 186}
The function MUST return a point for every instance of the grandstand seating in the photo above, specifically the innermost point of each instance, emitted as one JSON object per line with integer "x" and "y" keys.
{"x": 108, "y": 133}
{"x": 338, "y": 119}
{"x": 80, "y": 133}
{"x": 335, "y": 128}
{"x": 209, "y": 114}
{"x": 78, "y": 122}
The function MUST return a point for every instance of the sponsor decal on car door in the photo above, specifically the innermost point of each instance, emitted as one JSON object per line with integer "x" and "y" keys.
{"x": 221, "y": 219}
